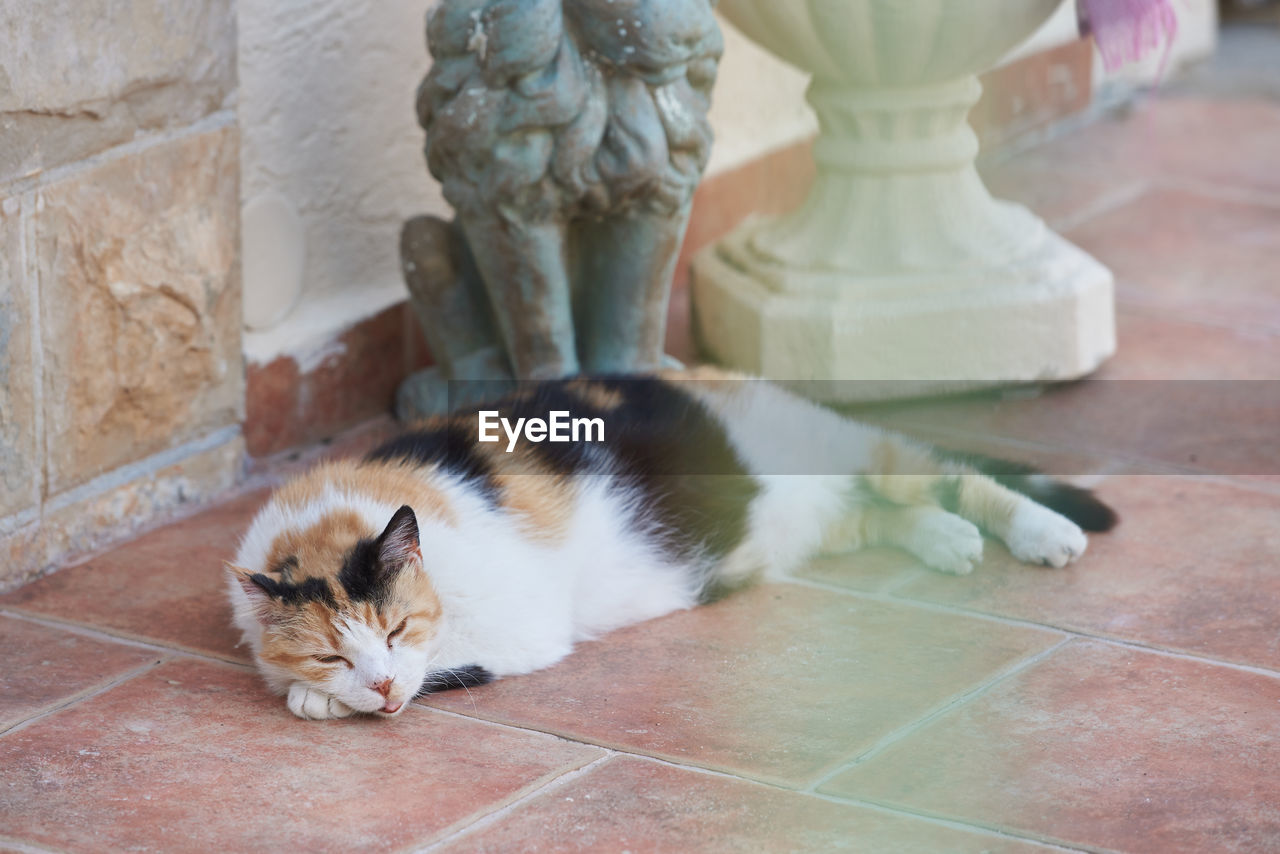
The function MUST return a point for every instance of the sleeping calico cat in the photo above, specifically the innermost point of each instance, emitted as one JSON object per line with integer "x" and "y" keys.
{"x": 441, "y": 561}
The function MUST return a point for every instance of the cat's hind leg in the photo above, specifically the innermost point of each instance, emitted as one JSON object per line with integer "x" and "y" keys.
{"x": 1033, "y": 532}
{"x": 941, "y": 540}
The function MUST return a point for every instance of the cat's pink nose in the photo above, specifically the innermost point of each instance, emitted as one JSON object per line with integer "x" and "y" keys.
{"x": 383, "y": 687}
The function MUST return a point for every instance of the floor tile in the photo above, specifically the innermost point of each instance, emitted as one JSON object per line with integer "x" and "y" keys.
{"x": 1061, "y": 199}
{"x": 355, "y": 442}
{"x": 1192, "y": 256}
{"x": 43, "y": 666}
{"x": 629, "y": 804}
{"x": 1155, "y": 347}
{"x": 198, "y": 757}
{"x": 1103, "y": 746}
{"x": 1227, "y": 142}
{"x": 930, "y": 423}
{"x": 866, "y": 570}
{"x": 1192, "y": 566}
{"x": 167, "y": 586}
{"x": 778, "y": 682}
{"x": 1158, "y": 422}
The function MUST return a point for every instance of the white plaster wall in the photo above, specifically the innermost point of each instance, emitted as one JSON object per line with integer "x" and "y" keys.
{"x": 758, "y": 105}
{"x": 327, "y": 122}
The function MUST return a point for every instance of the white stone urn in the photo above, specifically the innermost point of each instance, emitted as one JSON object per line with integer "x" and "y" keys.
{"x": 899, "y": 266}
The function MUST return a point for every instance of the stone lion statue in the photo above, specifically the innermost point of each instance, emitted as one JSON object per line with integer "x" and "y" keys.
{"x": 569, "y": 136}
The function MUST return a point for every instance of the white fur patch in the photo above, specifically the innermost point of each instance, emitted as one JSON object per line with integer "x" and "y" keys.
{"x": 313, "y": 705}
{"x": 945, "y": 542}
{"x": 1039, "y": 535}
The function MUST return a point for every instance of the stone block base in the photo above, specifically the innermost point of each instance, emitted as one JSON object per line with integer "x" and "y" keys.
{"x": 1049, "y": 316}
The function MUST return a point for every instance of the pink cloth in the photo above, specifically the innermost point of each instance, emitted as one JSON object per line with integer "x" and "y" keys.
{"x": 1127, "y": 30}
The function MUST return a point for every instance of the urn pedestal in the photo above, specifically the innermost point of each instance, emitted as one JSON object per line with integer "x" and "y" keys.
{"x": 899, "y": 267}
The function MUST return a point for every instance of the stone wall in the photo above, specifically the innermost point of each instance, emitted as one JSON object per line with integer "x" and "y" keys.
{"x": 121, "y": 378}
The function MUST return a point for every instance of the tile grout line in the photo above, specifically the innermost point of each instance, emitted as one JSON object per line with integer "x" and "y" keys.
{"x": 616, "y": 751}
{"x": 924, "y": 815}
{"x": 86, "y": 694}
{"x": 620, "y": 750}
{"x": 1152, "y": 308}
{"x": 1110, "y": 458}
{"x": 103, "y": 635}
{"x": 1144, "y": 299}
{"x": 891, "y": 599}
{"x": 23, "y": 846}
{"x": 836, "y": 799}
{"x": 494, "y": 816}
{"x": 1218, "y": 192}
{"x": 1160, "y": 468}
{"x": 82, "y": 630}
{"x": 1110, "y": 201}
{"x": 477, "y": 717}
{"x": 910, "y": 729}
{"x": 1081, "y": 634}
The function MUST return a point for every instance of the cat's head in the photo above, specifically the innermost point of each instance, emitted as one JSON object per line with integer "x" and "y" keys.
{"x": 346, "y": 612}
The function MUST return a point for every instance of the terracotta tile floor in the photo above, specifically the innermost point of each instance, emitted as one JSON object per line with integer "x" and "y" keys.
{"x": 1129, "y": 703}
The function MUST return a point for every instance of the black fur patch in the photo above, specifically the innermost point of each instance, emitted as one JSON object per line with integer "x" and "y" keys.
{"x": 361, "y": 575}
{"x": 1079, "y": 505}
{"x": 539, "y": 400}
{"x": 459, "y": 677}
{"x": 448, "y": 444}
{"x": 308, "y": 590}
{"x": 669, "y": 446}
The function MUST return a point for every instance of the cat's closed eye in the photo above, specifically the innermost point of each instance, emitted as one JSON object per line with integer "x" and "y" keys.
{"x": 331, "y": 659}
{"x": 397, "y": 631}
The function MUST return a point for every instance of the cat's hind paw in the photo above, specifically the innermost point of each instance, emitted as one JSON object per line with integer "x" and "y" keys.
{"x": 1039, "y": 535}
{"x": 947, "y": 543}
{"x": 312, "y": 705}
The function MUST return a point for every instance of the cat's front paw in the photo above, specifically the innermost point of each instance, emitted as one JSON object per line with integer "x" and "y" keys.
{"x": 1039, "y": 535}
{"x": 312, "y": 705}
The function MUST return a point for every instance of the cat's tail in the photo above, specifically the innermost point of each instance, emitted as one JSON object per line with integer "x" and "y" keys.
{"x": 1076, "y": 503}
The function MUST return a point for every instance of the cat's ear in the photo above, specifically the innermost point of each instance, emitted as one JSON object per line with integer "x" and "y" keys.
{"x": 259, "y": 599}
{"x": 398, "y": 545}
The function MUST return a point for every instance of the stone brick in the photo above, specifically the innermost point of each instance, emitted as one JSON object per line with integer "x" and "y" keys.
{"x": 22, "y": 550}
{"x": 140, "y": 305}
{"x": 19, "y": 460}
{"x": 75, "y": 524}
{"x": 68, "y": 89}
{"x": 121, "y": 512}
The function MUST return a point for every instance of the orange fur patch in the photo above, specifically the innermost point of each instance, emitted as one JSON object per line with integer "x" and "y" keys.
{"x": 396, "y": 483}
{"x": 544, "y": 502}
{"x": 320, "y": 548}
{"x": 594, "y": 394}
